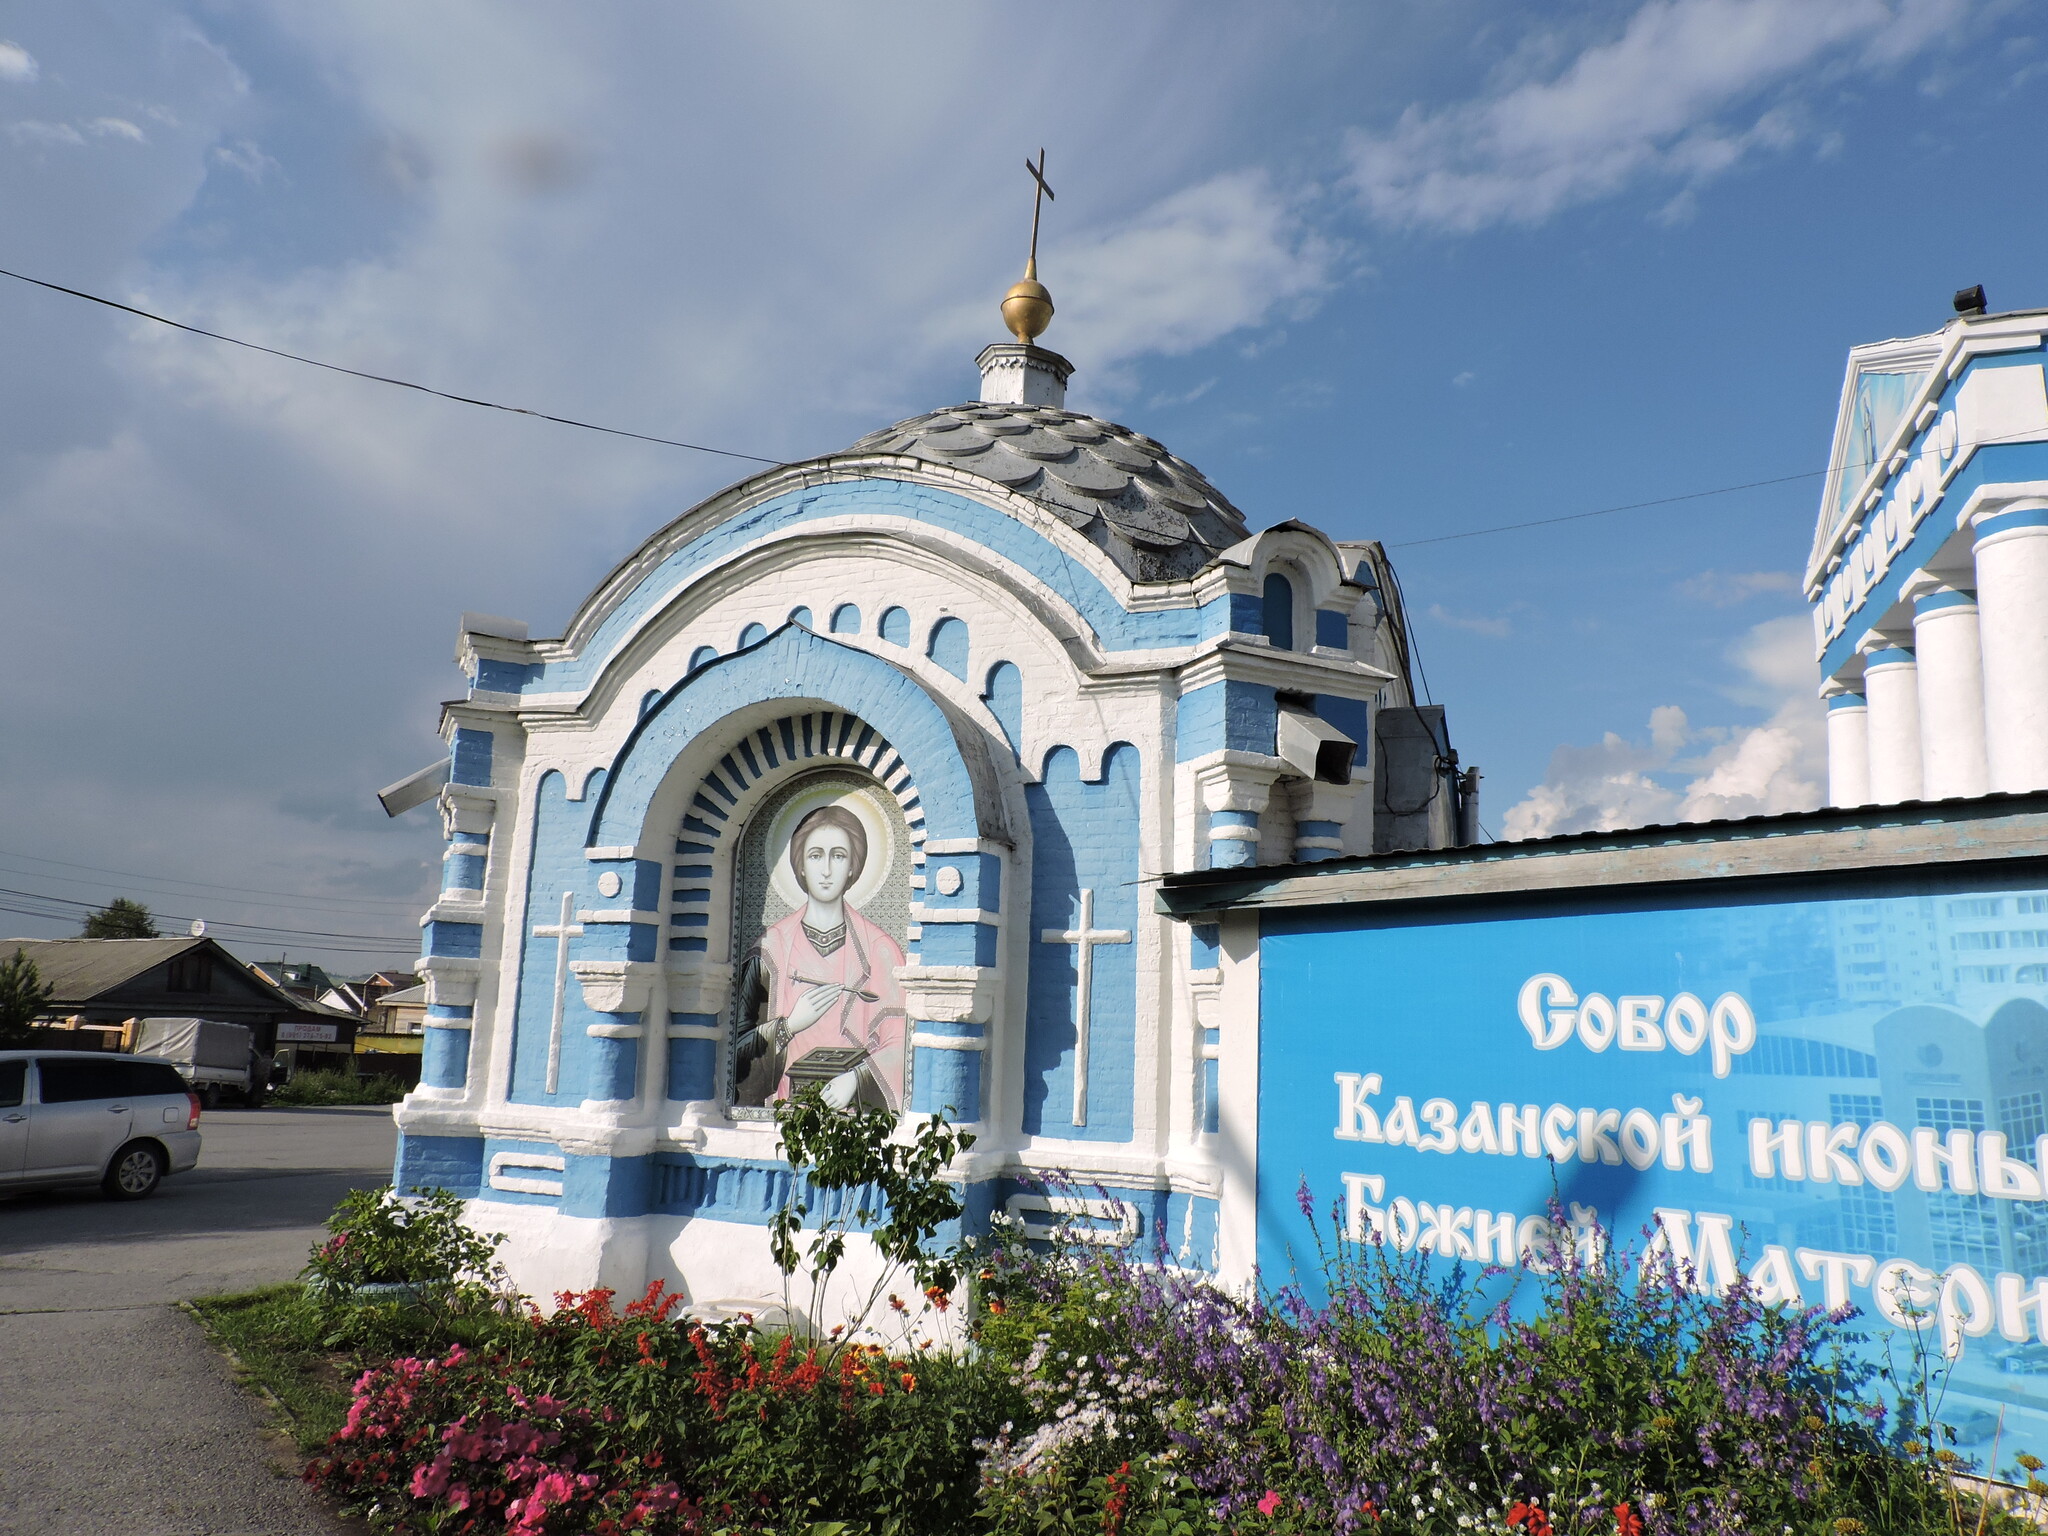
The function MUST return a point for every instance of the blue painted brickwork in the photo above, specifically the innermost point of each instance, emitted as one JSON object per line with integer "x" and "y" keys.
{"x": 1277, "y": 612}
{"x": 948, "y": 646}
{"x": 1205, "y": 946}
{"x": 453, "y": 1163}
{"x": 1240, "y": 717}
{"x": 614, "y": 1064}
{"x": 493, "y": 1145}
{"x": 981, "y": 881}
{"x": 462, "y": 872}
{"x": 503, "y": 676}
{"x": 846, "y": 619}
{"x": 444, "y": 1058}
{"x": 1212, "y": 1093}
{"x": 1082, "y": 835}
{"x": 1179, "y": 1229}
{"x": 1244, "y": 613}
{"x": 1004, "y": 696}
{"x": 470, "y": 759}
{"x": 607, "y": 1186}
{"x": 460, "y": 941}
{"x": 947, "y": 1082}
{"x": 797, "y": 665}
{"x": 1030, "y": 550}
{"x": 957, "y": 944}
{"x": 558, "y": 865}
{"x": 692, "y": 1064}
{"x": 1333, "y": 629}
{"x": 895, "y": 626}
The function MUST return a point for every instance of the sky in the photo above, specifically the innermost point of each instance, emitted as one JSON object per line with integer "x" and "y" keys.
{"x": 1403, "y": 272}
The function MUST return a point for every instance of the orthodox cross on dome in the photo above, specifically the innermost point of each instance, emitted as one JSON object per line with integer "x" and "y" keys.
{"x": 1038, "y": 200}
{"x": 1027, "y": 307}
{"x": 561, "y": 933}
{"x": 1084, "y": 938}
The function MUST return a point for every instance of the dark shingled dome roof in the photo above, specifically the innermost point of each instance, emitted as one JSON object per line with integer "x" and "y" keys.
{"x": 1154, "y": 514}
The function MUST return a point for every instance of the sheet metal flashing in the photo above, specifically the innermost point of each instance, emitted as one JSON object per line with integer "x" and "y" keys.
{"x": 1989, "y": 829}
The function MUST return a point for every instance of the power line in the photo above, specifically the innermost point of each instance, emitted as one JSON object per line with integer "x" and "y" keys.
{"x": 378, "y": 378}
{"x": 335, "y": 903}
{"x": 669, "y": 442}
{"x": 178, "y": 917}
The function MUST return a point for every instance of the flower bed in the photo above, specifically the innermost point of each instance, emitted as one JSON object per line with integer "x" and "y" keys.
{"x": 1585, "y": 1393}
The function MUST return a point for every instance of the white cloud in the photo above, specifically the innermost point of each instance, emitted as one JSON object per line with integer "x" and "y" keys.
{"x": 243, "y": 155}
{"x": 1493, "y": 626}
{"x": 17, "y": 65}
{"x": 29, "y": 131}
{"x": 1728, "y": 589}
{"x": 117, "y": 128}
{"x": 1678, "y": 96}
{"x": 1756, "y": 770}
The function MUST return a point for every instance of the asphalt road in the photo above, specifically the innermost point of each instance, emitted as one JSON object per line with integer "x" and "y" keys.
{"x": 116, "y": 1415}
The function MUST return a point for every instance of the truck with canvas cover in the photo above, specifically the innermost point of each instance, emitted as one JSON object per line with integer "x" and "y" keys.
{"x": 210, "y": 1055}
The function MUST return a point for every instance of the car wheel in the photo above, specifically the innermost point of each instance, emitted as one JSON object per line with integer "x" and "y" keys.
{"x": 209, "y": 1097}
{"x": 136, "y": 1171}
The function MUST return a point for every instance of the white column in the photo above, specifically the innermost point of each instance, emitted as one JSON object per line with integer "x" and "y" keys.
{"x": 1951, "y": 695}
{"x": 1891, "y": 684}
{"x": 2012, "y": 602}
{"x": 1848, "y": 749}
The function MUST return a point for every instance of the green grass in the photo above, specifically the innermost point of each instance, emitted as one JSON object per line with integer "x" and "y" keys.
{"x": 277, "y": 1337}
{"x": 324, "y": 1088}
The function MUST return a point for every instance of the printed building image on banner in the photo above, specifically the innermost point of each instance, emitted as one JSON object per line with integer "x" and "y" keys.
{"x": 823, "y": 902}
{"x": 1847, "y": 1099}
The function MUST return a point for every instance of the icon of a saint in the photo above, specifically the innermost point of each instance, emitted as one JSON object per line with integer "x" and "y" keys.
{"x": 818, "y": 999}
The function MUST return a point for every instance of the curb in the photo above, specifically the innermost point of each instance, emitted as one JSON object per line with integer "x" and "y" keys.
{"x": 244, "y": 1377}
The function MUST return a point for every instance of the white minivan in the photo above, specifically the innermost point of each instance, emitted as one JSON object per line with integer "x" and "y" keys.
{"x": 88, "y": 1117}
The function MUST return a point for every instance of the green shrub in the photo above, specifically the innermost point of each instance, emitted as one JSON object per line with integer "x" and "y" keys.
{"x": 333, "y": 1086}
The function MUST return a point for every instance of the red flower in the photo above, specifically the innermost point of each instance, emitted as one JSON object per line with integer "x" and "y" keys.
{"x": 897, "y": 1303}
{"x": 1627, "y": 1522}
{"x": 1370, "y": 1510}
{"x": 1531, "y": 1516}
{"x": 938, "y": 1296}
{"x": 1271, "y": 1502}
{"x": 877, "y": 1388}
{"x": 909, "y": 1382}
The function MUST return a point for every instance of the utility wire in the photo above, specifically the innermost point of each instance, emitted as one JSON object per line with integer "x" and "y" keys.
{"x": 670, "y": 442}
{"x": 378, "y": 378}
{"x": 136, "y": 877}
{"x": 77, "y": 906}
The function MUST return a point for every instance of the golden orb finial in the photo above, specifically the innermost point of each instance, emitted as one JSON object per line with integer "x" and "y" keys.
{"x": 1027, "y": 307}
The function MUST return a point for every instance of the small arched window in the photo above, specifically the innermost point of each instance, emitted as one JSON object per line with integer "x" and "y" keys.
{"x": 948, "y": 646}
{"x": 1279, "y": 611}
{"x": 703, "y": 656}
{"x": 846, "y": 619}
{"x": 895, "y": 626}
{"x": 800, "y": 616}
{"x": 753, "y": 634}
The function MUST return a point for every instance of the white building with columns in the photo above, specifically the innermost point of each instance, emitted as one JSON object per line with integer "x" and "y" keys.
{"x": 1929, "y": 571}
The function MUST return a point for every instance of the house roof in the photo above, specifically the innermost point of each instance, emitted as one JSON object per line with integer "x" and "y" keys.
{"x": 79, "y": 970}
{"x": 416, "y": 995}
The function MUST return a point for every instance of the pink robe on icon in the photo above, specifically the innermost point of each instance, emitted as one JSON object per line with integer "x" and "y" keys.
{"x": 869, "y": 1014}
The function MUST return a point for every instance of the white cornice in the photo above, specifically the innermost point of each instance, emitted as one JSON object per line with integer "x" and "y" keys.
{"x": 1235, "y": 660}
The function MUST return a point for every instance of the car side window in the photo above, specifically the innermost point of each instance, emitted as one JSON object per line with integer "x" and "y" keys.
{"x": 145, "y": 1078}
{"x": 67, "y": 1079}
{"x": 13, "y": 1083}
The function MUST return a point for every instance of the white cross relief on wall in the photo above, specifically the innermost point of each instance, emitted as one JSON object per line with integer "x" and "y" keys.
{"x": 561, "y": 933}
{"x": 1084, "y": 938}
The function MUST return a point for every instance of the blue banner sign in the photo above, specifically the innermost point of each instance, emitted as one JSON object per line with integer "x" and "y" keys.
{"x": 1841, "y": 1097}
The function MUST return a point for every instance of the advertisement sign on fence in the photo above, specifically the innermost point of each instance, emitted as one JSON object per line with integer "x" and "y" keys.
{"x": 1841, "y": 1097}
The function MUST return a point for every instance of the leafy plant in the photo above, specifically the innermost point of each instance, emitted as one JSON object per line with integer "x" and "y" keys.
{"x": 436, "y": 1264}
{"x": 23, "y": 998}
{"x": 852, "y": 1173}
{"x": 328, "y": 1086}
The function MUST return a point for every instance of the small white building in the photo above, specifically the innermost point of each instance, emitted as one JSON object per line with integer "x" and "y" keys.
{"x": 863, "y": 772}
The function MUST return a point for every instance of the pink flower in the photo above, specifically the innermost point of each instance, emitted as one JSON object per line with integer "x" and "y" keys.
{"x": 430, "y": 1478}
{"x": 1269, "y": 1503}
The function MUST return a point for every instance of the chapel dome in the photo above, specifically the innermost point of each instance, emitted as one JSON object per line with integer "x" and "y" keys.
{"x": 1153, "y": 514}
